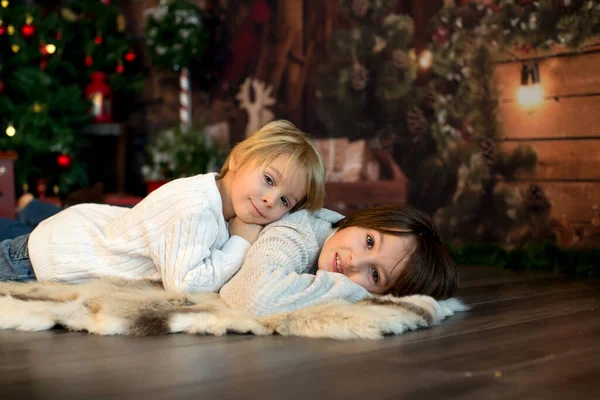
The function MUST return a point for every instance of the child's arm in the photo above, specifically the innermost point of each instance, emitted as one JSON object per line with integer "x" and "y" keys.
{"x": 271, "y": 281}
{"x": 188, "y": 261}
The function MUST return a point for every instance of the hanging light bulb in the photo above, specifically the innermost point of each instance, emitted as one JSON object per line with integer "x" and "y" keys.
{"x": 530, "y": 92}
{"x": 10, "y": 130}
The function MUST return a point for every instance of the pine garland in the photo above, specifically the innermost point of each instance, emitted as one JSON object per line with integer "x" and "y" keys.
{"x": 508, "y": 26}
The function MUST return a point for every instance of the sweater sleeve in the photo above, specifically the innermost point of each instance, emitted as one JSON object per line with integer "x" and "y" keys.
{"x": 188, "y": 261}
{"x": 271, "y": 278}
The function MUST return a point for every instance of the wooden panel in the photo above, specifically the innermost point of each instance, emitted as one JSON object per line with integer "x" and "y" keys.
{"x": 572, "y": 159}
{"x": 559, "y": 76}
{"x": 343, "y": 196}
{"x": 572, "y": 200}
{"x": 569, "y": 117}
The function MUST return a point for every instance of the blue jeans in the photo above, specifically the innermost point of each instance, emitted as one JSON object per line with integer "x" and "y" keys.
{"x": 33, "y": 213}
{"x": 15, "y": 264}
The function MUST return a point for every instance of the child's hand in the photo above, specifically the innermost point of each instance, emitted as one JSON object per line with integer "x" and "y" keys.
{"x": 247, "y": 231}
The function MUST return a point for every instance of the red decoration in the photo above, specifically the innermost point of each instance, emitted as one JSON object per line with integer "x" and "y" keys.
{"x": 524, "y": 48}
{"x": 130, "y": 56}
{"x": 441, "y": 35}
{"x": 64, "y": 161}
{"x": 106, "y": 2}
{"x": 43, "y": 49}
{"x": 98, "y": 40}
{"x": 43, "y": 64}
{"x": 1, "y": 87}
{"x": 59, "y": 35}
{"x": 2, "y": 29}
{"x": 28, "y": 30}
{"x": 89, "y": 61}
{"x": 120, "y": 68}
{"x": 100, "y": 94}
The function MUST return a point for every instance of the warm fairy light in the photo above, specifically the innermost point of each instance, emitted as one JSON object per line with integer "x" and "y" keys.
{"x": 28, "y": 19}
{"x": 15, "y": 48}
{"x": 426, "y": 59}
{"x": 50, "y": 48}
{"x": 530, "y": 95}
{"x": 10, "y": 130}
{"x": 4, "y": 3}
{"x": 11, "y": 30}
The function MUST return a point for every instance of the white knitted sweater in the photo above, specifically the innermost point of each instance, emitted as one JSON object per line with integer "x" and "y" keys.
{"x": 276, "y": 275}
{"x": 176, "y": 235}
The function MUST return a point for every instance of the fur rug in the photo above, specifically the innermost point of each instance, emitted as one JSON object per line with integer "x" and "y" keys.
{"x": 120, "y": 307}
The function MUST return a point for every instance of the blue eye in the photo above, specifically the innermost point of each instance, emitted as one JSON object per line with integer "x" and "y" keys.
{"x": 375, "y": 275}
{"x": 269, "y": 180}
{"x": 285, "y": 202}
{"x": 370, "y": 242}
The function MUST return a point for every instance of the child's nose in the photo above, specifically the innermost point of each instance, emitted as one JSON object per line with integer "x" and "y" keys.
{"x": 268, "y": 199}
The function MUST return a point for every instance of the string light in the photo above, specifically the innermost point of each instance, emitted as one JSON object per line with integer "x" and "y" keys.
{"x": 15, "y": 48}
{"x": 11, "y": 30}
{"x": 4, "y": 3}
{"x": 10, "y": 130}
{"x": 530, "y": 92}
{"x": 426, "y": 59}
{"x": 50, "y": 48}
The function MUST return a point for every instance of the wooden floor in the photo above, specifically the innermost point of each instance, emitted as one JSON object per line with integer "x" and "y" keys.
{"x": 528, "y": 336}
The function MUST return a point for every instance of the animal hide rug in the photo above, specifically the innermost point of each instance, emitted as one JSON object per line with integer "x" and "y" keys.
{"x": 139, "y": 308}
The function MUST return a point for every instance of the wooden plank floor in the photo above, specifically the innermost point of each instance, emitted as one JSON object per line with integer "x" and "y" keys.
{"x": 528, "y": 336}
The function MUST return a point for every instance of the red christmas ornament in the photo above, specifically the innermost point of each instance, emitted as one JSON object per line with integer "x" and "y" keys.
{"x": 64, "y": 161}
{"x": 43, "y": 49}
{"x": 28, "y": 30}
{"x": 2, "y": 29}
{"x": 120, "y": 68}
{"x": 100, "y": 94}
{"x": 98, "y": 40}
{"x": 130, "y": 56}
{"x": 59, "y": 35}
{"x": 441, "y": 35}
{"x": 43, "y": 64}
{"x": 524, "y": 48}
{"x": 106, "y": 2}
{"x": 89, "y": 61}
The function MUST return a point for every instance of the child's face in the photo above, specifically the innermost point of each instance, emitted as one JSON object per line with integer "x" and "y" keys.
{"x": 262, "y": 194}
{"x": 371, "y": 259}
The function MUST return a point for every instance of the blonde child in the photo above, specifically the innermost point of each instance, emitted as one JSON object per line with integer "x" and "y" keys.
{"x": 192, "y": 233}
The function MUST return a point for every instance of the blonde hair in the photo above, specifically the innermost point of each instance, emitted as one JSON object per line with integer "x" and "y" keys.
{"x": 282, "y": 137}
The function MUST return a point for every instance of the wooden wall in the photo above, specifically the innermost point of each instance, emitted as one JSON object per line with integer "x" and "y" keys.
{"x": 564, "y": 129}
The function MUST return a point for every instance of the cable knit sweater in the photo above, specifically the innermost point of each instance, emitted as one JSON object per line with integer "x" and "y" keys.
{"x": 177, "y": 235}
{"x": 276, "y": 275}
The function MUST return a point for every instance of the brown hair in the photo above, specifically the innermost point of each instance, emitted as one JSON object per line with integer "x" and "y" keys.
{"x": 431, "y": 270}
{"x": 282, "y": 137}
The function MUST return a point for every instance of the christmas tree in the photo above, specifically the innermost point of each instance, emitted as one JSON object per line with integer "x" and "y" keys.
{"x": 46, "y": 58}
{"x": 364, "y": 88}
